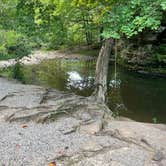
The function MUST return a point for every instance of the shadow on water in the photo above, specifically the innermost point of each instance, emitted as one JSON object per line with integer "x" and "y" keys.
{"x": 144, "y": 97}
{"x": 138, "y": 97}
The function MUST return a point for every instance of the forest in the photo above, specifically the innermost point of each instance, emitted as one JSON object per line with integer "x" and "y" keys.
{"x": 79, "y": 78}
{"x": 58, "y": 24}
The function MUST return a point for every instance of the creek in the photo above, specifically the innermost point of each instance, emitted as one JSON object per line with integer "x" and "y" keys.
{"x": 139, "y": 97}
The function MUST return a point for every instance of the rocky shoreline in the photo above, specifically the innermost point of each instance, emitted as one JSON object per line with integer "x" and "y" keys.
{"x": 38, "y": 56}
{"x": 39, "y": 126}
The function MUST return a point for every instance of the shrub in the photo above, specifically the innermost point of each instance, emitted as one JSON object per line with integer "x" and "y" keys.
{"x": 3, "y": 50}
{"x": 13, "y": 45}
{"x": 17, "y": 72}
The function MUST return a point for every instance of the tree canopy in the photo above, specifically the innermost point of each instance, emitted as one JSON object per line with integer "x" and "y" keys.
{"x": 128, "y": 17}
{"x": 60, "y": 23}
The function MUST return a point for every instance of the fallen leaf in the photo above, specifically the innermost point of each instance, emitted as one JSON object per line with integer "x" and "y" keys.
{"x": 24, "y": 126}
{"x": 52, "y": 164}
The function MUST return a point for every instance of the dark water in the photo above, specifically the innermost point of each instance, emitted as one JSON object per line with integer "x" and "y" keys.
{"x": 138, "y": 97}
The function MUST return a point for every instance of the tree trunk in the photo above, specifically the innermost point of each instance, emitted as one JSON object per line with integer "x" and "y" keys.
{"x": 101, "y": 31}
{"x": 102, "y": 71}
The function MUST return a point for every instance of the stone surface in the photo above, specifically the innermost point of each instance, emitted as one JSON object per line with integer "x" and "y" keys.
{"x": 82, "y": 132}
{"x": 92, "y": 127}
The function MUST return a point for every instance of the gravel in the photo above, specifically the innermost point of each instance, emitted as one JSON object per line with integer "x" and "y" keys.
{"x": 36, "y": 144}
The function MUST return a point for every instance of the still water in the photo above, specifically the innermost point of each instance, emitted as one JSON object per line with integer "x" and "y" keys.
{"x": 139, "y": 97}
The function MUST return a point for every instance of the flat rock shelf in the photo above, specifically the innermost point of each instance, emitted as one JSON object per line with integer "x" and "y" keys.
{"x": 39, "y": 126}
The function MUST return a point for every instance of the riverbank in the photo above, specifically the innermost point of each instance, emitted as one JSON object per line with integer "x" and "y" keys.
{"x": 147, "y": 59}
{"x": 146, "y": 70}
{"x": 38, "y": 56}
{"x": 39, "y": 126}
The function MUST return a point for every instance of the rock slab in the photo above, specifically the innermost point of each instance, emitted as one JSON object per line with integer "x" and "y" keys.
{"x": 39, "y": 126}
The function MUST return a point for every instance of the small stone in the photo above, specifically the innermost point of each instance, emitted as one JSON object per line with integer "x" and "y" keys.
{"x": 158, "y": 156}
{"x": 85, "y": 116}
{"x": 91, "y": 146}
{"x": 91, "y": 128}
{"x": 66, "y": 147}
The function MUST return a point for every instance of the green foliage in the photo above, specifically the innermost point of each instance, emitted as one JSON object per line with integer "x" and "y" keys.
{"x": 7, "y": 14}
{"x": 161, "y": 58}
{"x": 3, "y": 50}
{"x": 163, "y": 5}
{"x": 132, "y": 17}
{"x": 17, "y": 72}
{"x": 13, "y": 44}
{"x": 161, "y": 49}
{"x": 160, "y": 54}
{"x": 155, "y": 120}
{"x": 54, "y": 24}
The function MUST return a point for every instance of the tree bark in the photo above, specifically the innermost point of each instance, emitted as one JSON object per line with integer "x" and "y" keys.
{"x": 102, "y": 71}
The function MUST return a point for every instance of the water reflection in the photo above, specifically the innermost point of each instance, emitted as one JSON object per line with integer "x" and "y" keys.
{"x": 75, "y": 75}
{"x": 115, "y": 83}
{"x": 75, "y": 80}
